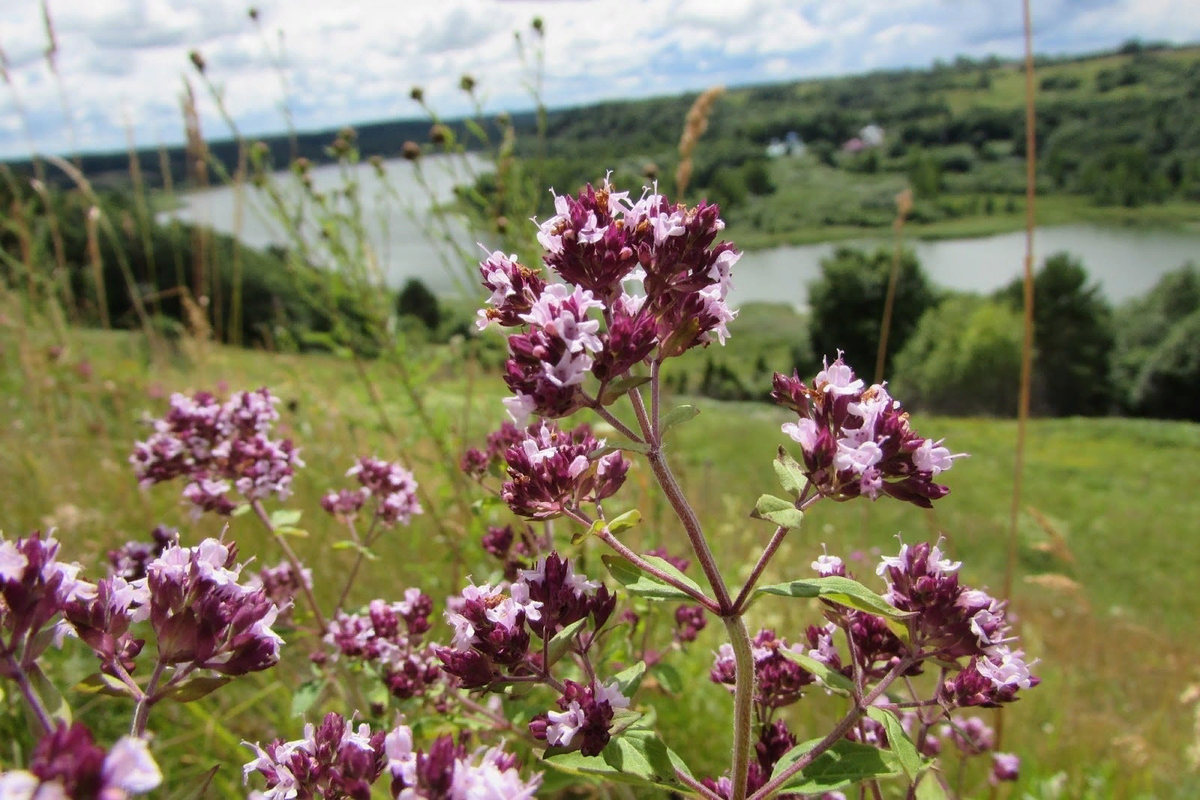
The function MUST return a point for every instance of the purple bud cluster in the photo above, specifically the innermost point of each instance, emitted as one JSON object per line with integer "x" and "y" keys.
{"x": 394, "y": 488}
{"x": 390, "y": 636}
{"x": 778, "y": 681}
{"x": 689, "y": 621}
{"x": 551, "y": 471}
{"x": 130, "y": 559}
{"x": 856, "y": 441}
{"x": 478, "y": 463}
{"x": 218, "y": 448}
{"x": 68, "y": 764}
{"x": 202, "y": 615}
{"x": 446, "y": 771}
{"x": 282, "y": 585}
{"x": 648, "y": 268}
{"x": 583, "y": 720}
{"x": 515, "y": 551}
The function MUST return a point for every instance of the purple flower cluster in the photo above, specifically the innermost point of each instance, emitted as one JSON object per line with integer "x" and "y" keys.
{"x": 67, "y": 764}
{"x": 217, "y": 448}
{"x": 333, "y": 761}
{"x": 857, "y": 441}
{"x": 130, "y": 559}
{"x": 778, "y": 681}
{"x": 101, "y": 617}
{"x": 478, "y": 463}
{"x": 951, "y": 622}
{"x": 513, "y": 550}
{"x": 282, "y": 585}
{"x": 493, "y": 629}
{"x": 647, "y": 268}
{"x": 394, "y": 488}
{"x": 390, "y": 636}
{"x": 34, "y": 587}
{"x": 203, "y": 616}
{"x": 446, "y": 771}
{"x": 583, "y": 720}
{"x": 551, "y": 471}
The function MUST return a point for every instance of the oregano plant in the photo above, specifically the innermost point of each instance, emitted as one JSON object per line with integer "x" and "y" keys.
{"x": 535, "y": 675}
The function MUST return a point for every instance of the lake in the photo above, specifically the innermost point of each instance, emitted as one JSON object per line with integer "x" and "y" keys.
{"x": 1125, "y": 261}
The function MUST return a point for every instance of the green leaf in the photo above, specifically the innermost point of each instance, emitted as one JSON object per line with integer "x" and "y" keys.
{"x": 668, "y": 678}
{"x": 834, "y": 681}
{"x": 289, "y": 530}
{"x": 637, "y": 757}
{"x": 52, "y": 700}
{"x": 561, "y": 641}
{"x": 898, "y": 742}
{"x": 791, "y": 474}
{"x": 197, "y": 687}
{"x": 835, "y": 589}
{"x": 306, "y": 696}
{"x": 630, "y": 678}
{"x": 930, "y": 788}
{"x": 677, "y": 416}
{"x": 99, "y": 683}
{"x": 285, "y": 517}
{"x": 198, "y": 789}
{"x": 240, "y": 510}
{"x": 782, "y": 512}
{"x": 624, "y": 522}
{"x": 844, "y": 764}
{"x": 349, "y": 544}
{"x": 619, "y": 388}
{"x": 640, "y": 584}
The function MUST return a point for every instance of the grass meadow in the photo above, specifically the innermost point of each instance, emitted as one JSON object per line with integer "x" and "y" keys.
{"x": 1104, "y": 582}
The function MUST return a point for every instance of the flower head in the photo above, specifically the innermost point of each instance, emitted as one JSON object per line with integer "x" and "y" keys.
{"x": 857, "y": 441}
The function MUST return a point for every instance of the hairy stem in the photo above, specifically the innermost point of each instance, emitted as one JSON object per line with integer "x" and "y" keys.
{"x": 743, "y": 703}
{"x": 363, "y": 544}
{"x": 691, "y": 524}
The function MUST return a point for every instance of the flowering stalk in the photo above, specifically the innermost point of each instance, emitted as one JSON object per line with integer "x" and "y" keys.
{"x": 293, "y": 560}
{"x": 29, "y": 693}
{"x": 141, "y": 714}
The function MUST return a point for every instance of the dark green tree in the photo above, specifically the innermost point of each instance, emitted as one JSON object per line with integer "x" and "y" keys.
{"x": 1170, "y": 380}
{"x": 1143, "y": 324}
{"x": 964, "y": 359}
{"x": 846, "y": 305}
{"x": 415, "y": 300}
{"x": 1073, "y": 336}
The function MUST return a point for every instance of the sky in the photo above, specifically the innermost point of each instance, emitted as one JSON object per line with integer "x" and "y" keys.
{"x": 121, "y": 64}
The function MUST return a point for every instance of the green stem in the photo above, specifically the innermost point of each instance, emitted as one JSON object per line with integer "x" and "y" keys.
{"x": 743, "y": 703}
{"x": 293, "y": 560}
{"x": 141, "y": 714}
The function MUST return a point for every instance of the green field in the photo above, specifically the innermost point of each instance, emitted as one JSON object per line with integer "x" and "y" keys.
{"x": 1107, "y": 553}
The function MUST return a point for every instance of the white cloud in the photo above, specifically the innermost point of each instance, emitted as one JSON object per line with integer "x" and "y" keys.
{"x": 354, "y": 60}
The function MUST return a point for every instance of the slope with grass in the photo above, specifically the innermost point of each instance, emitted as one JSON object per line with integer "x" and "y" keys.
{"x": 1106, "y": 558}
